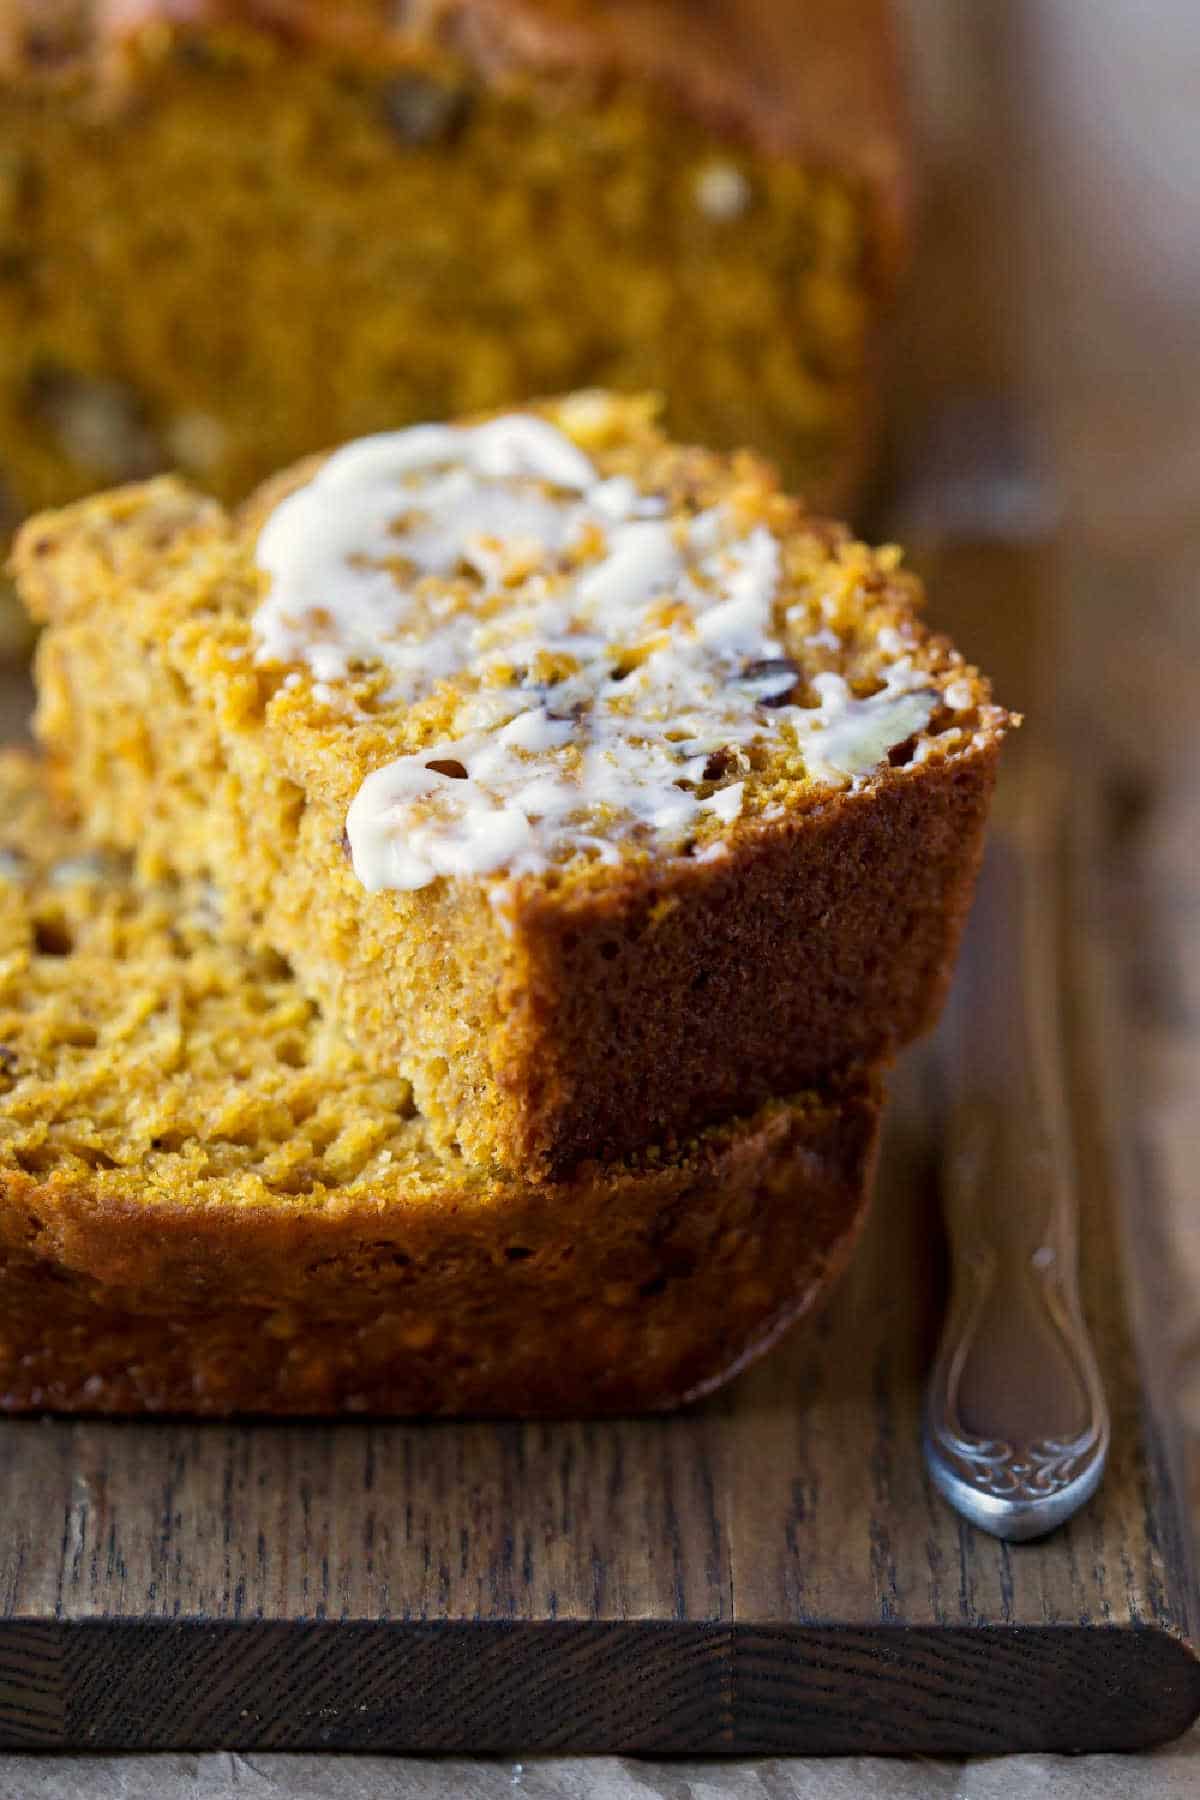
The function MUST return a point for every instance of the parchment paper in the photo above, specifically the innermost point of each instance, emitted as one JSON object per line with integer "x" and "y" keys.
{"x": 1171, "y": 1774}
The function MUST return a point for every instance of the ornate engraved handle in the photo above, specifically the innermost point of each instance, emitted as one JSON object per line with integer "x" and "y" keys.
{"x": 1016, "y": 1426}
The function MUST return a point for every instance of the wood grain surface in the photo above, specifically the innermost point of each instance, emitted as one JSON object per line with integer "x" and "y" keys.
{"x": 769, "y": 1572}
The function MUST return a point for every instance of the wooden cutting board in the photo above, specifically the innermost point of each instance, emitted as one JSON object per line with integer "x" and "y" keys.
{"x": 769, "y": 1572}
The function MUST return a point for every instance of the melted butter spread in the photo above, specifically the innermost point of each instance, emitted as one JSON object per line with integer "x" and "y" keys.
{"x": 607, "y": 661}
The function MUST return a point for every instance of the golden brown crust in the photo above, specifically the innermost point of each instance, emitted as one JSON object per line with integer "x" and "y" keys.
{"x": 796, "y": 78}
{"x": 827, "y": 942}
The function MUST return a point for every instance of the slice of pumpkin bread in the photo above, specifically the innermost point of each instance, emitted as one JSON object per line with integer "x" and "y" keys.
{"x": 597, "y": 788}
{"x": 208, "y": 1203}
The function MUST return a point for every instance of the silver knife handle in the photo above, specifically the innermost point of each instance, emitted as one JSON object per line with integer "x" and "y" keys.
{"x": 1016, "y": 1425}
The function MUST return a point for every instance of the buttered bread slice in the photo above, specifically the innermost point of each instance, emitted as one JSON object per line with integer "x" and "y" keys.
{"x": 597, "y": 788}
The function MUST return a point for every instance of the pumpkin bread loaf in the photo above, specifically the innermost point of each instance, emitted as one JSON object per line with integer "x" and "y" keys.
{"x": 590, "y": 783}
{"x": 233, "y": 232}
{"x": 210, "y": 1204}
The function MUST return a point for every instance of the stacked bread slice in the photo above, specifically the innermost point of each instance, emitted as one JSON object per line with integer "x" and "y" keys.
{"x": 521, "y": 846}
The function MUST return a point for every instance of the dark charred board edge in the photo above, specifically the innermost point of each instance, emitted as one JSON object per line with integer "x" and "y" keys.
{"x": 959, "y": 1690}
{"x": 652, "y": 1687}
{"x": 187, "y": 1684}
